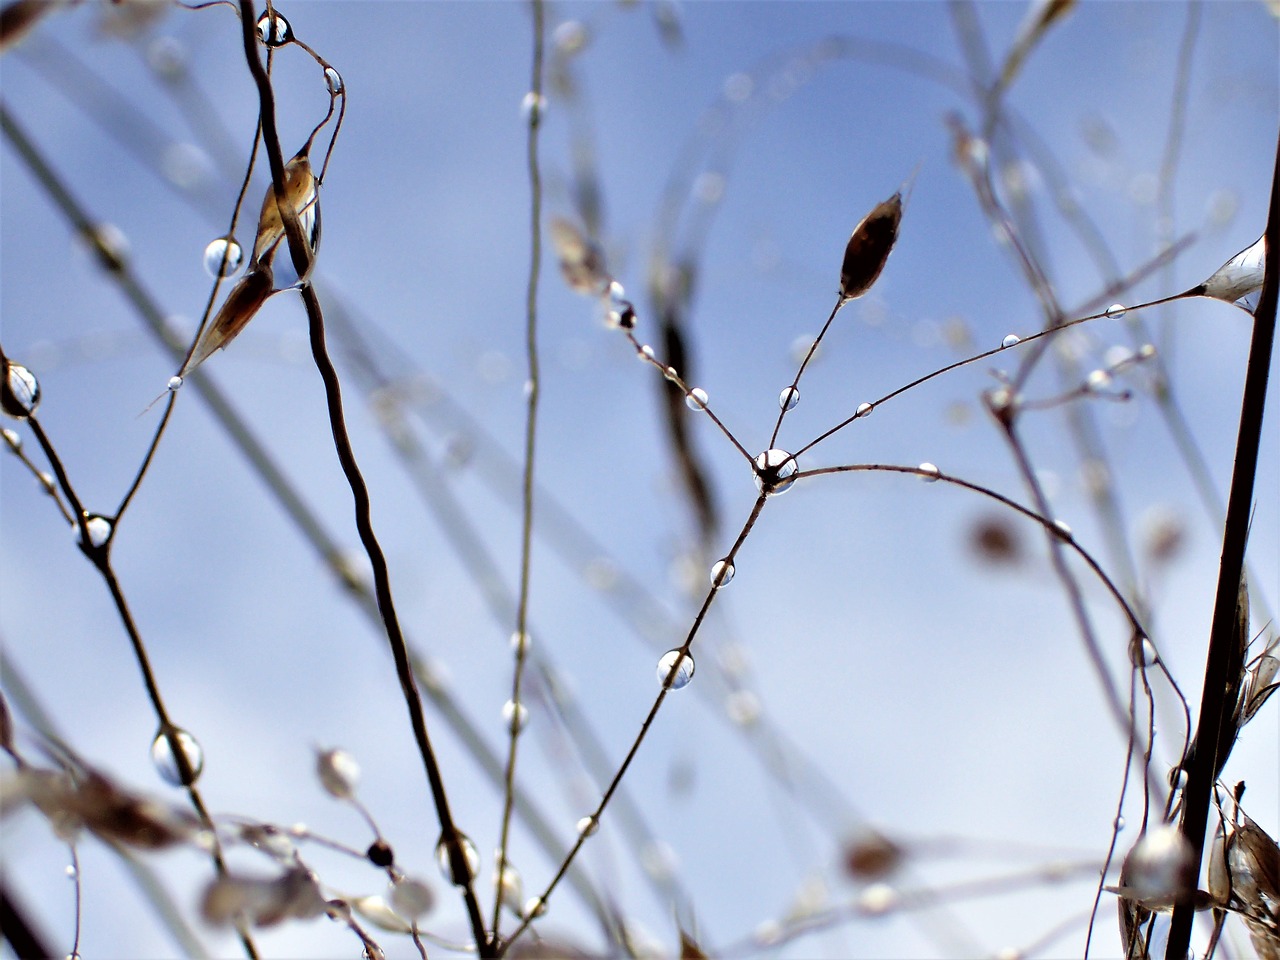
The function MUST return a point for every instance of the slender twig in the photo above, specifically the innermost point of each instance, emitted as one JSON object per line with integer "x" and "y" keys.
{"x": 1214, "y": 707}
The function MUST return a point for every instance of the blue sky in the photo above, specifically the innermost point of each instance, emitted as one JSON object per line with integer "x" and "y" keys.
{"x": 941, "y": 697}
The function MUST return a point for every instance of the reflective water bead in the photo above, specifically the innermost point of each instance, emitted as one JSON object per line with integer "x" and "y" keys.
{"x": 469, "y": 854}
{"x": 12, "y": 439}
{"x": 1063, "y": 528}
{"x": 1147, "y": 351}
{"x": 1142, "y": 652}
{"x": 536, "y": 907}
{"x": 20, "y": 392}
{"x": 515, "y": 715}
{"x": 775, "y": 471}
{"x": 1116, "y": 311}
{"x": 166, "y": 763}
{"x": 338, "y": 772}
{"x": 1012, "y": 340}
{"x": 683, "y": 674}
{"x": 864, "y": 410}
{"x": 98, "y": 528}
{"x": 587, "y": 826}
{"x": 412, "y": 898}
{"x": 71, "y": 871}
{"x": 533, "y": 106}
{"x": 1119, "y": 823}
{"x": 646, "y": 353}
{"x": 1097, "y": 379}
{"x": 520, "y": 642}
{"x": 696, "y": 399}
{"x": 333, "y": 80}
{"x": 722, "y": 572}
{"x": 878, "y": 899}
{"x": 510, "y": 886}
{"x": 175, "y": 383}
{"x": 222, "y": 257}
{"x": 928, "y": 472}
{"x": 788, "y": 398}
{"x": 274, "y": 30}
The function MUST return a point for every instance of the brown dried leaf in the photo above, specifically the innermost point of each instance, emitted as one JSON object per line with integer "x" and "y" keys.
{"x": 869, "y": 246}
{"x": 243, "y": 302}
{"x": 294, "y": 895}
{"x": 96, "y": 804}
{"x": 301, "y": 193}
{"x": 689, "y": 949}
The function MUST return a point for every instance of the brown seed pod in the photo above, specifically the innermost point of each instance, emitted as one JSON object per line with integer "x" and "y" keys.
{"x": 869, "y": 247}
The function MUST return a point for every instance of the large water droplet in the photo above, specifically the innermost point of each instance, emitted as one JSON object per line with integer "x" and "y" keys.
{"x": 12, "y": 439}
{"x": 1098, "y": 379}
{"x": 515, "y": 715}
{"x": 520, "y": 642}
{"x": 510, "y": 886}
{"x": 1012, "y": 340}
{"x": 469, "y": 853}
{"x": 864, "y": 410}
{"x": 274, "y": 30}
{"x": 788, "y": 398}
{"x": 1142, "y": 652}
{"x": 587, "y": 826}
{"x": 775, "y": 471}
{"x": 533, "y": 106}
{"x": 20, "y": 392}
{"x": 684, "y": 672}
{"x": 928, "y": 472}
{"x": 175, "y": 383}
{"x": 222, "y": 257}
{"x": 98, "y": 527}
{"x": 412, "y": 898}
{"x": 333, "y": 80}
{"x": 646, "y": 353}
{"x": 167, "y": 764}
{"x": 536, "y": 907}
{"x": 1116, "y": 311}
{"x": 722, "y": 572}
{"x": 338, "y": 772}
{"x": 697, "y": 399}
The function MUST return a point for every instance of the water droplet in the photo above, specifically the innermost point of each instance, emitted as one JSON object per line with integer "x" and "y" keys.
{"x": 533, "y": 106}
{"x": 536, "y": 907}
{"x": 469, "y": 854}
{"x": 1012, "y": 340}
{"x": 1147, "y": 351}
{"x": 788, "y": 398}
{"x": 864, "y": 410}
{"x": 616, "y": 293}
{"x": 333, "y": 80}
{"x": 683, "y": 674}
{"x": 697, "y": 399}
{"x": 71, "y": 871}
{"x": 12, "y": 439}
{"x": 222, "y": 257}
{"x": 98, "y": 527}
{"x": 928, "y": 472}
{"x": 166, "y": 763}
{"x": 510, "y": 886}
{"x": 877, "y": 899}
{"x": 1116, "y": 311}
{"x": 721, "y": 573}
{"x": 1063, "y": 528}
{"x": 274, "y": 30}
{"x": 646, "y": 353}
{"x": 587, "y": 826}
{"x": 775, "y": 471}
{"x": 412, "y": 898}
{"x": 570, "y": 37}
{"x": 1097, "y": 380}
{"x": 338, "y": 772}
{"x": 20, "y": 392}
{"x": 1142, "y": 652}
{"x": 1119, "y": 823}
{"x": 515, "y": 715}
{"x": 175, "y": 383}
{"x": 520, "y": 641}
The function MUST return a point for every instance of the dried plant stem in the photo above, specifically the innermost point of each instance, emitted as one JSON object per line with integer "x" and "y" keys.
{"x": 813, "y": 348}
{"x": 534, "y": 387}
{"x": 301, "y": 255}
{"x": 16, "y": 927}
{"x": 644, "y": 727}
{"x": 1213, "y": 704}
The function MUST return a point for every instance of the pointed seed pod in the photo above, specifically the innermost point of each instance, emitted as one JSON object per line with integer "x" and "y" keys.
{"x": 869, "y": 247}
{"x": 300, "y": 190}
{"x": 1239, "y": 276}
{"x": 243, "y": 302}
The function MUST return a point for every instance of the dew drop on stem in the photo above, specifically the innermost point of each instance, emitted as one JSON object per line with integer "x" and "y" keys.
{"x": 20, "y": 391}
{"x": 1116, "y": 311}
{"x": 333, "y": 80}
{"x": 864, "y": 410}
{"x": 222, "y": 257}
{"x": 274, "y": 30}
{"x": 587, "y": 826}
{"x": 98, "y": 528}
{"x": 696, "y": 399}
{"x": 470, "y": 855}
{"x": 515, "y": 716}
{"x": 775, "y": 471}
{"x": 166, "y": 763}
{"x": 722, "y": 572}
{"x": 928, "y": 472}
{"x": 1012, "y": 340}
{"x": 338, "y": 773}
{"x": 684, "y": 672}
{"x": 532, "y": 107}
{"x": 788, "y": 398}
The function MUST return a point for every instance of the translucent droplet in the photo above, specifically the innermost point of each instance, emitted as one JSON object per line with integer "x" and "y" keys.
{"x": 412, "y": 898}
{"x": 1012, "y": 340}
{"x": 587, "y": 826}
{"x": 1063, "y": 528}
{"x": 696, "y": 399}
{"x": 175, "y": 383}
{"x": 1116, "y": 311}
{"x": 928, "y": 472}
{"x": 510, "y": 887}
{"x": 274, "y": 30}
{"x": 1147, "y": 351}
{"x": 533, "y": 106}
{"x": 12, "y": 439}
{"x": 222, "y": 257}
{"x": 98, "y": 528}
{"x": 1119, "y": 823}
{"x": 536, "y": 907}
{"x": 333, "y": 80}
{"x": 877, "y": 899}
{"x": 570, "y": 37}
{"x": 646, "y": 353}
{"x": 166, "y": 763}
{"x": 20, "y": 393}
{"x": 71, "y": 871}
{"x": 1142, "y": 652}
{"x": 469, "y": 853}
{"x": 775, "y": 471}
{"x": 520, "y": 642}
{"x": 788, "y": 398}
{"x": 683, "y": 674}
{"x": 721, "y": 573}
{"x": 515, "y": 715}
{"x": 864, "y": 410}
{"x": 338, "y": 772}
{"x": 1097, "y": 380}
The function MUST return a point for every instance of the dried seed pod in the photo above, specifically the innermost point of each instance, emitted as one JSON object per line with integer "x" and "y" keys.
{"x": 1239, "y": 276}
{"x": 243, "y": 302}
{"x": 869, "y": 247}
{"x": 301, "y": 193}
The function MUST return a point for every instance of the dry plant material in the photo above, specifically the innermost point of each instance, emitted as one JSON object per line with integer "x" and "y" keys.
{"x": 302, "y": 194}
{"x": 1244, "y": 876}
{"x": 1238, "y": 277}
{"x": 581, "y": 262}
{"x": 995, "y": 540}
{"x": 871, "y": 856}
{"x": 242, "y": 304}
{"x": 294, "y": 895}
{"x": 6, "y": 729}
{"x": 1039, "y": 19}
{"x": 869, "y": 246}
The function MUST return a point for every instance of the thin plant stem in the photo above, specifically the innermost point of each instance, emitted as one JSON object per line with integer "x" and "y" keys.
{"x": 813, "y": 348}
